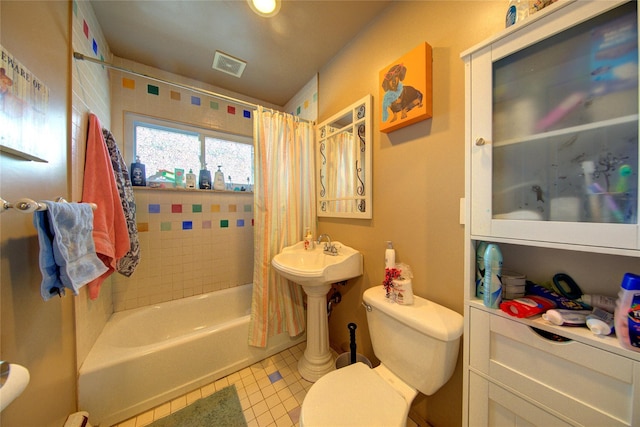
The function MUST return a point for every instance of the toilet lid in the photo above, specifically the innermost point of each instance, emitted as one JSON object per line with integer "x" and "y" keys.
{"x": 353, "y": 396}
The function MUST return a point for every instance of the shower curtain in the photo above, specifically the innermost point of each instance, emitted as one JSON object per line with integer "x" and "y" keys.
{"x": 284, "y": 205}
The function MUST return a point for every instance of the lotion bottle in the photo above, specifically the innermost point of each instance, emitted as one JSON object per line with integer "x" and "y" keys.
{"x": 218, "y": 180}
{"x": 389, "y": 256}
{"x": 309, "y": 244}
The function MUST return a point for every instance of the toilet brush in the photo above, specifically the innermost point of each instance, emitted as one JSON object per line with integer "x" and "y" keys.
{"x": 352, "y": 345}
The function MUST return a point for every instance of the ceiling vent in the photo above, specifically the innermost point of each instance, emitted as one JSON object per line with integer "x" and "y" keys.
{"x": 228, "y": 64}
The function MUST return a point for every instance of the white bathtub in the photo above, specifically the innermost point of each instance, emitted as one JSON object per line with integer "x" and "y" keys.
{"x": 150, "y": 355}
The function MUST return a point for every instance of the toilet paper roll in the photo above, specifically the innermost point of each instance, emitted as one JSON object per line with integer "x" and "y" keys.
{"x": 14, "y": 386}
{"x": 403, "y": 290}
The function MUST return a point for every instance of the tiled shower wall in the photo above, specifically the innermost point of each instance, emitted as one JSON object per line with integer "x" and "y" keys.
{"x": 192, "y": 242}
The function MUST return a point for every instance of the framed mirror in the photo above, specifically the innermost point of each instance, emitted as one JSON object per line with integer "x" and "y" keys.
{"x": 343, "y": 163}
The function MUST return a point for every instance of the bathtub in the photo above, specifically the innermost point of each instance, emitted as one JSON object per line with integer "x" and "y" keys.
{"x": 149, "y": 355}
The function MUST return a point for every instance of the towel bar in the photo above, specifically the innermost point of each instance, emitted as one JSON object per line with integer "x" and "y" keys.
{"x": 28, "y": 205}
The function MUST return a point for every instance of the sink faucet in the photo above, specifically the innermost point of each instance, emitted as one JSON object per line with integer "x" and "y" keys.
{"x": 329, "y": 248}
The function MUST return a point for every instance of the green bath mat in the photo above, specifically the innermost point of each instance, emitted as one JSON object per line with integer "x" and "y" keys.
{"x": 222, "y": 409}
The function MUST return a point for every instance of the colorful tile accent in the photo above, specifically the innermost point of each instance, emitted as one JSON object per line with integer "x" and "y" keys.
{"x": 231, "y": 109}
{"x": 224, "y": 223}
{"x": 142, "y": 227}
{"x": 176, "y": 208}
{"x": 175, "y": 95}
{"x": 248, "y": 208}
{"x": 165, "y": 226}
{"x": 187, "y": 225}
{"x": 153, "y": 90}
{"x": 128, "y": 83}
{"x": 275, "y": 376}
{"x": 298, "y": 111}
{"x": 215, "y": 208}
{"x": 206, "y": 225}
{"x": 75, "y": 8}
{"x": 233, "y": 208}
{"x": 154, "y": 208}
{"x": 214, "y": 105}
{"x": 94, "y": 46}
{"x": 240, "y": 223}
{"x": 85, "y": 28}
{"x": 196, "y": 208}
{"x": 246, "y": 114}
{"x": 195, "y": 100}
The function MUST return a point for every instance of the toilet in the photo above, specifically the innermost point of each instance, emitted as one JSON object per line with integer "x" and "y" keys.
{"x": 418, "y": 349}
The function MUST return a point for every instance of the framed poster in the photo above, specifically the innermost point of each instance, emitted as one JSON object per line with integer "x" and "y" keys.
{"x": 406, "y": 94}
{"x": 24, "y": 99}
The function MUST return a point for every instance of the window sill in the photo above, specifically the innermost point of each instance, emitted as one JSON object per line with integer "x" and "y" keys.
{"x": 190, "y": 190}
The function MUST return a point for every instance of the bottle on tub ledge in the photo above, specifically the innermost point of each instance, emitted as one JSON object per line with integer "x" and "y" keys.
{"x": 218, "y": 180}
{"x": 138, "y": 174}
{"x": 204, "y": 182}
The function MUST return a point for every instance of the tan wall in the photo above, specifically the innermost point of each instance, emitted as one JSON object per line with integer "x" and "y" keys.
{"x": 36, "y": 334}
{"x": 418, "y": 171}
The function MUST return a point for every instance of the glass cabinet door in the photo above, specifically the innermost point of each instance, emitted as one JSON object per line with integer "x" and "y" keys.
{"x": 565, "y": 125}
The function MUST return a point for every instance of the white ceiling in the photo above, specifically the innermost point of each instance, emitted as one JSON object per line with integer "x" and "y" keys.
{"x": 283, "y": 52}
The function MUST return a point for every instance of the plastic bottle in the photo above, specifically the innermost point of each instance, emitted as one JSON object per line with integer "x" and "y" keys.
{"x": 492, "y": 271}
{"x": 482, "y": 246}
{"x": 205, "y": 179}
{"x": 218, "y": 180}
{"x": 600, "y": 322}
{"x": 516, "y": 11}
{"x": 309, "y": 244}
{"x": 191, "y": 179}
{"x": 390, "y": 256}
{"x": 627, "y": 315}
{"x": 600, "y": 301}
{"x": 138, "y": 174}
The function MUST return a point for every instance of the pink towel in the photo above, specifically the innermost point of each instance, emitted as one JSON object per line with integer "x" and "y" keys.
{"x": 110, "y": 232}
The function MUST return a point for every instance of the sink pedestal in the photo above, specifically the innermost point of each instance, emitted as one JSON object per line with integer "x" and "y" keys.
{"x": 317, "y": 360}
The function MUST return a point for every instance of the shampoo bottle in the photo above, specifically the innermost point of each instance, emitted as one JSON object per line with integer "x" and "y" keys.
{"x": 627, "y": 316}
{"x": 482, "y": 246}
{"x": 492, "y": 276}
{"x": 205, "y": 179}
{"x": 389, "y": 256}
{"x": 218, "y": 180}
{"x": 138, "y": 174}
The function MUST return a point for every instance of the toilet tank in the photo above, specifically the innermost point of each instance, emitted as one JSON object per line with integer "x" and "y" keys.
{"x": 419, "y": 343}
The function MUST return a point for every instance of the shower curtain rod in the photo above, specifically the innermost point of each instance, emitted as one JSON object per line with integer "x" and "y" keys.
{"x": 80, "y": 56}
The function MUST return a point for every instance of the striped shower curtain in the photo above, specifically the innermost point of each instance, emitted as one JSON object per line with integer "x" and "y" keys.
{"x": 284, "y": 205}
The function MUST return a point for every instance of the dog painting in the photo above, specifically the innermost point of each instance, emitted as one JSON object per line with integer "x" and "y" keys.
{"x": 406, "y": 90}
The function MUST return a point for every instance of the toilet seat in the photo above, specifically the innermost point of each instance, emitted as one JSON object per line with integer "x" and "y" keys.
{"x": 353, "y": 396}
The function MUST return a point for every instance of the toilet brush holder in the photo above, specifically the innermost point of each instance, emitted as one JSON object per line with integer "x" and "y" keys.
{"x": 345, "y": 360}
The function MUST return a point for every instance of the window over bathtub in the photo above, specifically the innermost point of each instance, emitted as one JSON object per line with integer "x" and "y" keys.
{"x": 164, "y": 146}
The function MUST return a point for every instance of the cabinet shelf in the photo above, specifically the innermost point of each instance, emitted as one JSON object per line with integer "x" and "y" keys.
{"x": 630, "y": 119}
{"x": 581, "y": 334}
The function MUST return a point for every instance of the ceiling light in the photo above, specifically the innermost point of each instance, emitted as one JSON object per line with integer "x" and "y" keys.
{"x": 266, "y": 8}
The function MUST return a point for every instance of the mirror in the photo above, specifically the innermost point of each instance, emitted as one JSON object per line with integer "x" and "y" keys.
{"x": 343, "y": 160}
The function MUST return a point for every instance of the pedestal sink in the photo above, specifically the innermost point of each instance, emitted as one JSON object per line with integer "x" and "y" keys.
{"x": 315, "y": 271}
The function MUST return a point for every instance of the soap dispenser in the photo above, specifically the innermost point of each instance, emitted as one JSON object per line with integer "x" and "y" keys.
{"x": 218, "y": 180}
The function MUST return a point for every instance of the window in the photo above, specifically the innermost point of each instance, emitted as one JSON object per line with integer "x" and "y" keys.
{"x": 163, "y": 145}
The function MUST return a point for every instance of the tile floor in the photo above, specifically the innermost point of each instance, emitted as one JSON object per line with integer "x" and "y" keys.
{"x": 270, "y": 391}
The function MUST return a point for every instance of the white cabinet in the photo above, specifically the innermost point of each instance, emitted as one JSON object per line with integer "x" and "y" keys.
{"x": 552, "y": 177}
